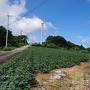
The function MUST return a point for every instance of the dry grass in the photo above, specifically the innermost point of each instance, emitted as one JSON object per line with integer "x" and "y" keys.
{"x": 76, "y": 78}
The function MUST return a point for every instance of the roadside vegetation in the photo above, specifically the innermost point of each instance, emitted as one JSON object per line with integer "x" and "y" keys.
{"x": 19, "y": 72}
{"x": 59, "y": 42}
{"x": 56, "y": 52}
{"x": 13, "y": 41}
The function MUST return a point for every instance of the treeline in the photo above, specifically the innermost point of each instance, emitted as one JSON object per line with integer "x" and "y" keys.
{"x": 57, "y": 42}
{"x": 15, "y": 41}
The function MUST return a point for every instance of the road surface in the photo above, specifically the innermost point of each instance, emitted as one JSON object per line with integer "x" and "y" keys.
{"x": 6, "y": 55}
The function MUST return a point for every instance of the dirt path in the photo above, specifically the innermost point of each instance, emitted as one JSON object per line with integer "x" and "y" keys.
{"x": 5, "y": 55}
{"x": 74, "y": 78}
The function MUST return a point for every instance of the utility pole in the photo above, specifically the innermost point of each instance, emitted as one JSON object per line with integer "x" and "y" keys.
{"x": 21, "y": 32}
{"x": 42, "y": 32}
{"x": 8, "y": 17}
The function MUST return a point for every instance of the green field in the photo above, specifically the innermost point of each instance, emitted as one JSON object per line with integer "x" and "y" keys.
{"x": 19, "y": 72}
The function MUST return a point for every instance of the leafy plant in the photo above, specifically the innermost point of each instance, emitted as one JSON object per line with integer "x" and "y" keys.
{"x": 19, "y": 72}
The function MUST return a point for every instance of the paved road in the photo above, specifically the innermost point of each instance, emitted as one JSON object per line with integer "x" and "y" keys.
{"x": 6, "y": 55}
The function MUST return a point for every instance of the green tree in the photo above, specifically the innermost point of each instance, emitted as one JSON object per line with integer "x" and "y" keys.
{"x": 57, "y": 40}
{"x": 12, "y": 40}
{"x": 3, "y": 35}
{"x": 22, "y": 39}
{"x": 18, "y": 41}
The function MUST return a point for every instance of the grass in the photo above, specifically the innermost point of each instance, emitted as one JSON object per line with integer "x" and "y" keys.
{"x": 7, "y": 49}
{"x": 19, "y": 72}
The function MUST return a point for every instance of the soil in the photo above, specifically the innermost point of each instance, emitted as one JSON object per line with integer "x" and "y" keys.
{"x": 6, "y": 55}
{"x": 74, "y": 78}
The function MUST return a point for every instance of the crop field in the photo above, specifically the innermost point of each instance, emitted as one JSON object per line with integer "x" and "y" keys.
{"x": 19, "y": 72}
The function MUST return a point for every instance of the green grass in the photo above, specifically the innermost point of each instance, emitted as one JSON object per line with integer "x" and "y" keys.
{"x": 7, "y": 49}
{"x": 19, "y": 73}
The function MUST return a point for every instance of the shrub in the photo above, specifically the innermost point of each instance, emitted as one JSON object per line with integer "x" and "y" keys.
{"x": 36, "y": 44}
{"x": 19, "y": 72}
{"x": 44, "y": 44}
{"x": 51, "y": 45}
{"x": 8, "y": 49}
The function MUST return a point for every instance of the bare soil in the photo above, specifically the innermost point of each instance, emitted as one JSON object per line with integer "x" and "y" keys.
{"x": 74, "y": 78}
{"x": 6, "y": 55}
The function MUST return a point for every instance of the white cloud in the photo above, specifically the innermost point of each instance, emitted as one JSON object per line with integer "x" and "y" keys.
{"x": 25, "y": 24}
{"x": 50, "y": 25}
{"x": 35, "y": 39}
{"x": 85, "y": 41}
{"x": 15, "y": 10}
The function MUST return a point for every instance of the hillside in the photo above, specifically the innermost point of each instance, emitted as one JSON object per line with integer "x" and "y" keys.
{"x": 19, "y": 72}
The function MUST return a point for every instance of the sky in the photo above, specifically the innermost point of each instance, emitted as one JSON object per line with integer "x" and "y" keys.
{"x": 67, "y": 18}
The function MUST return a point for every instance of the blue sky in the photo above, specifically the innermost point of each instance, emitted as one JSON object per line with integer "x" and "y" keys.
{"x": 71, "y": 17}
{"x": 67, "y": 18}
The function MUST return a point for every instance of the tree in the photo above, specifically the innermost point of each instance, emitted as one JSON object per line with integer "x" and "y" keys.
{"x": 81, "y": 47}
{"x": 57, "y": 40}
{"x": 12, "y": 40}
{"x": 22, "y": 39}
{"x": 70, "y": 45}
{"x": 3, "y": 35}
{"x": 18, "y": 41}
{"x": 74, "y": 46}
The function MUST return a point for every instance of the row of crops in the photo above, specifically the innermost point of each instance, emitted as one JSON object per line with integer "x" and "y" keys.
{"x": 19, "y": 72}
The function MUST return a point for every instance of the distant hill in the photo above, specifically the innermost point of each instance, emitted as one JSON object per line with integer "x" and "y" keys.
{"x": 60, "y": 41}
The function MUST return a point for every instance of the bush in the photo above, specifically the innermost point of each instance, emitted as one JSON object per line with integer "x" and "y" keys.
{"x": 44, "y": 44}
{"x": 51, "y": 45}
{"x": 75, "y": 48}
{"x": 19, "y": 72}
{"x": 36, "y": 44}
{"x": 8, "y": 49}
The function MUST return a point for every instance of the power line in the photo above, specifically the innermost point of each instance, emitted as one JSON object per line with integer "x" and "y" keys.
{"x": 8, "y": 23}
{"x": 41, "y": 31}
{"x": 8, "y": 17}
{"x": 31, "y": 11}
{"x": 39, "y": 5}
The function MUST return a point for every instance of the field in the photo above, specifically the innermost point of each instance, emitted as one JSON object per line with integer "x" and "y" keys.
{"x": 19, "y": 72}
